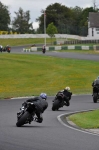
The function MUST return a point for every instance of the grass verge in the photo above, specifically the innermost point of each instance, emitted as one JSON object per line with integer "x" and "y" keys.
{"x": 24, "y": 41}
{"x": 96, "y": 52}
{"x": 26, "y": 75}
{"x": 86, "y": 120}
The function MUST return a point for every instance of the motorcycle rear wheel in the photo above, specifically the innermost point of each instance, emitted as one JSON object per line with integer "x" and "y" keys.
{"x": 22, "y": 120}
{"x": 55, "y": 105}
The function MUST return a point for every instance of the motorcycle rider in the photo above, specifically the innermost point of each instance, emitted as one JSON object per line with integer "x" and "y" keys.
{"x": 43, "y": 49}
{"x": 95, "y": 83}
{"x": 40, "y": 104}
{"x": 66, "y": 95}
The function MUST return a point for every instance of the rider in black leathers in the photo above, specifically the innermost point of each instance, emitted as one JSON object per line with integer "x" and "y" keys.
{"x": 66, "y": 95}
{"x": 40, "y": 104}
{"x": 95, "y": 83}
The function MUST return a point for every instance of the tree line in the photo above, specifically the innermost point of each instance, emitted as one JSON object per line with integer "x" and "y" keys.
{"x": 73, "y": 20}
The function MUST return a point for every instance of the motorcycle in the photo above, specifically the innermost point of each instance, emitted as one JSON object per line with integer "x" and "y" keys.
{"x": 6, "y": 49}
{"x": 58, "y": 102}
{"x": 43, "y": 50}
{"x": 95, "y": 93}
{"x": 26, "y": 115}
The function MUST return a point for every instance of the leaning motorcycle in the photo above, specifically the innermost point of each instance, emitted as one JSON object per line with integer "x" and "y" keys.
{"x": 26, "y": 115}
{"x": 58, "y": 102}
{"x": 95, "y": 93}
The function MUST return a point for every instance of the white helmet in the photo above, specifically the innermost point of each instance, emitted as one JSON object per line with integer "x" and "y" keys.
{"x": 67, "y": 88}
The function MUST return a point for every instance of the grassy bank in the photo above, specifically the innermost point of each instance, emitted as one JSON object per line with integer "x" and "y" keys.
{"x": 86, "y": 120}
{"x": 24, "y": 75}
{"x": 81, "y": 51}
{"x": 24, "y": 41}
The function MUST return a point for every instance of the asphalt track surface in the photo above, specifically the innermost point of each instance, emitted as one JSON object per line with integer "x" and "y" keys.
{"x": 58, "y": 54}
{"x": 49, "y": 135}
{"x": 52, "y": 134}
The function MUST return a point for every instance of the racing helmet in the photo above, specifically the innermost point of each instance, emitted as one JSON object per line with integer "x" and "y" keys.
{"x": 67, "y": 88}
{"x": 43, "y": 96}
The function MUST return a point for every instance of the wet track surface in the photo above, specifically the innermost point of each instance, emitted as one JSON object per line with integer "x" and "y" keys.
{"x": 51, "y": 134}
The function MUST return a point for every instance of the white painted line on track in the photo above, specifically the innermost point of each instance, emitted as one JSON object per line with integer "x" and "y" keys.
{"x": 22, "y": 97}
{"x": 71, "y": 127}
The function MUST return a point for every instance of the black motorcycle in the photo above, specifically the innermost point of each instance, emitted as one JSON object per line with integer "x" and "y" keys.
{"x": 59, "y": 102}
{"x": 95, "y": 93}
{"x": 26, "y": 115}
{"x": 43, "y": 50}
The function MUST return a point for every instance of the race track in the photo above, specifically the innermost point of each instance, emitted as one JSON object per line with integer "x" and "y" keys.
{"x": 51, "y": 134}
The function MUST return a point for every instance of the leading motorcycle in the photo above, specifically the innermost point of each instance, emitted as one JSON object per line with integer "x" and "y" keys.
{"x": 6, "y": 49}
{"x": 26, "y": 114}
{"x": 59, "y": 102}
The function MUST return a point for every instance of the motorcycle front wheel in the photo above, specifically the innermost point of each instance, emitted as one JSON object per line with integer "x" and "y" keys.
{"x": 23, "y": 119}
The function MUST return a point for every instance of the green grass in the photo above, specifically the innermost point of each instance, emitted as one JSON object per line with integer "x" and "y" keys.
{"x": 81, "y": 51}
{"x": 26, "y": 75}
{"x": 86, "y": 120}
{"x": 24, "y": 41}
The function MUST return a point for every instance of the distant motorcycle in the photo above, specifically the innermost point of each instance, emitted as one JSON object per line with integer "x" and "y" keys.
{"x": 6, "y": 49}
{"x": 95, "y": 93}
{"x": 43, "y": 49}
{"x": 58, "y": 102}
{"x": 26, "y": 115}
